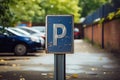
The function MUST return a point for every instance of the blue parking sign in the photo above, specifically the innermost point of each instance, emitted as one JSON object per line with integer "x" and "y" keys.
{"x": 59, "y": 34}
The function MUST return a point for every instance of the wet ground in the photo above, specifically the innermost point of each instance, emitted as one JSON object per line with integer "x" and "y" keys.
{"x": 87, "y": 63}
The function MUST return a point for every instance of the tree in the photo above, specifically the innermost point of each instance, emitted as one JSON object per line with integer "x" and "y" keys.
{"x": 24, "y": 10}
{"x": 89, "y": 6}
{"x": 58, "y": 7}
{"x": 5, "y": 15}
{"x": 13, "y": 11}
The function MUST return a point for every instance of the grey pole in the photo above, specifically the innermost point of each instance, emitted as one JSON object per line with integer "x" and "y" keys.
{"x": 59, "y": 67}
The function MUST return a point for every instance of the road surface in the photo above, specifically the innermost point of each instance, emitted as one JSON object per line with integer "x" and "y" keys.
{"x": 87, "y": 63}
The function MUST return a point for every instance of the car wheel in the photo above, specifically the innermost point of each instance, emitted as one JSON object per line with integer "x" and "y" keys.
{"x": 20, "y": 49}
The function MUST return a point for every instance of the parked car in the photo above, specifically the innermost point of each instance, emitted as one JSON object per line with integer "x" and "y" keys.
{"x": 41, "y": 29}
{"x": 20, "y": 44}
{"x": 34, "y": 33}
{"x": 76, "y": 33}
{"x": 28, "y": 34}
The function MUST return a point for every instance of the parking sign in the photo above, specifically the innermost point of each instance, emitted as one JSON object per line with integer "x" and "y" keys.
{"x": 59, "y": 34}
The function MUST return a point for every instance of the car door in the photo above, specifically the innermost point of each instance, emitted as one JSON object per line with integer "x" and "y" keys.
{"x": 9, "y": 41}
{"x": 2, "y": 39}
{"x": 6, "y": 41}
{"x": 2, "y": 42}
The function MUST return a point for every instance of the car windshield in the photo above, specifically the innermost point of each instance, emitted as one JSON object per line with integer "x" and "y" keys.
{"x": 11, "y": 31}
{"x": 15, "y": 32}
{"x": 20, "y": 31}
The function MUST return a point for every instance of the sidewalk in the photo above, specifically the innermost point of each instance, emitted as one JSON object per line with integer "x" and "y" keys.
{"x": 87, "y": 63}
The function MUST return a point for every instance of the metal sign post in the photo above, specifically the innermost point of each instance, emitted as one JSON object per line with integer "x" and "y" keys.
{"x": 59, "y": 41}
{"x": 59, "y": 67}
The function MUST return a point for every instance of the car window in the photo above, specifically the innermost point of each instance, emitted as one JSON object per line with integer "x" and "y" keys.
{"x": 1, "y": 30}
{"x": 18, "y": 31}
{"x": 12, "y": 32}
{"x": 9, "y": 33}
{"x": 1, "y": 33}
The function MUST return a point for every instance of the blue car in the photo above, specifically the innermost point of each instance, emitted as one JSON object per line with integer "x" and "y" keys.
{"x": 11, "y": 41}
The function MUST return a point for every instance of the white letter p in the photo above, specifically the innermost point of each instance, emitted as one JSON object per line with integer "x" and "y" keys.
{"x": 55, "y": 35}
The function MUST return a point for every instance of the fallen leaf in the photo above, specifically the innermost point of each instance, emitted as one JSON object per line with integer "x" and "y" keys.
{"x": 68, "y": 77}
{"x": 75, "y": 76}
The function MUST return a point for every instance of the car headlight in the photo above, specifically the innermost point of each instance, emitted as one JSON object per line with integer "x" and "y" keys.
{"x": 35, "y": 39}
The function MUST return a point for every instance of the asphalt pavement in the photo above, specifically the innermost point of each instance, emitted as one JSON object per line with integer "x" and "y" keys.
{"x": 87, "y": 63}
